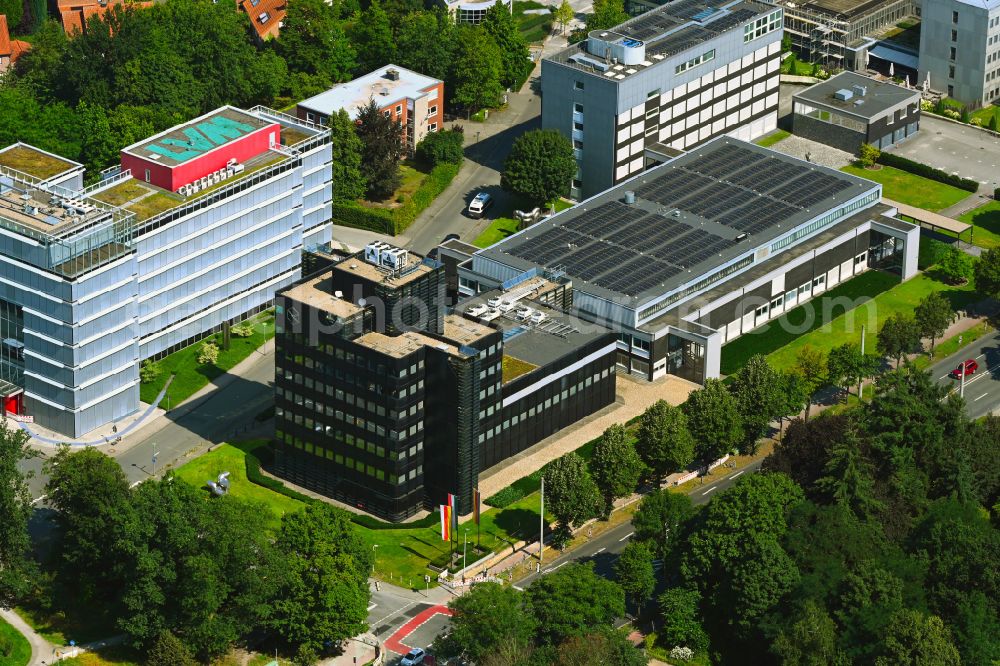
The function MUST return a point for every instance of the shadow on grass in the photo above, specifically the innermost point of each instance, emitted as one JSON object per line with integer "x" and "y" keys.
{"x": 988, "y": 219}
{"x": 516, "y": 521}
{"x": 798, "y": 322}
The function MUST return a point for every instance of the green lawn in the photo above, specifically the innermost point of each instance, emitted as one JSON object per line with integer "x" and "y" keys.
{"x": 773, "y": 138}
{"x": 192, "y": 376}
{"x": 402, "y": 554}
{"x": 532, "y": 26}
{"x": 984, "y": 114}
{"x": 803, "y": 319}
{"x": 411, "y": 177}
{"x": 847, "y": 327}
{"x": 112, "y": 656}
{"x": 502, "y": 227}
{"x": 911, "y": 189}
{"x": 14, "y": 648}
{"x": 232, "y": 458}
{"x": 60, "y": 628}
{"x": 986, "y": 220}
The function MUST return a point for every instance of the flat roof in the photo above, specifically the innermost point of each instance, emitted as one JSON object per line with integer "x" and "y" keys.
{"x": 356, "y": 265}
{"x": 691, "y": 215}
{"x": 404, "y": 344}
{"x": 317, "y": 293}
{"x": 465, "y": 331}
{"x": 845, "y": 9}
{"x": 147, "y": 200}
{"x": 196, "y": 137}
{"x": 879, "y": 97}
{"x": 34, "y": 161}
{"x": 927, "y": 217}
{"x": 377, "y": 85}
{"x": 539, "y": 344}
{"x": 670, "y": 29}
{"x": 47, "y": 212}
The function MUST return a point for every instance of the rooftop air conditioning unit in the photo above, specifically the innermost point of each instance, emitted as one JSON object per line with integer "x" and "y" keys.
{"x": 860, "y": 91}
{"x": 237, "y": 168}
{"x": 392, "y": 74}
{"x": 843, "y": 94}
{"x": 629, "y": 197}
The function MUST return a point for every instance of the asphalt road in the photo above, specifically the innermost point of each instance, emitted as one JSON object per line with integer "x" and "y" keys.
{"x": 212, "y": 419}
{"x": 604, "y": 549}
{"x": 982, "y": 390}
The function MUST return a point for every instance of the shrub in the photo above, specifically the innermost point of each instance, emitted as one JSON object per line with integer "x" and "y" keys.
{"x": 242, "y": 330}
{"x": 921, "y": 169}
{"x": 6, "y": 645}
{"x": 681, "y": 653}
{"x": 149, "y": 372}
{"x": 868, "y": 155}
{"x": 996, "y": 193}
{"x": 445, "y": 146}
{"x": 993, "y": 122}
{"x": 976, "y": 122}
{"x": 955, "y": 266}
{"x": 926, "y": 105}
{"x": 931, "y": 252}
{"x": 208, "y": 354}
{"x": 951, "y": 113}
{"x": 964, "y": 115}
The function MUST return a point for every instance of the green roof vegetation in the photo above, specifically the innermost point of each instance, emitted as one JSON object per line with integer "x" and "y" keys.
{"x": 512, "y": 368}
{"x": 122, "y": 193}
{"x": 33, "y": 162}
{"x": 291, "y": 136}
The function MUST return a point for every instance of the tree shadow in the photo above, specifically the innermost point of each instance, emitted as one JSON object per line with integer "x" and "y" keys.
{"x": 516, "y": 521}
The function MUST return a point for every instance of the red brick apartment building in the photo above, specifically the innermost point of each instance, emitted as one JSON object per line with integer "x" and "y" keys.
{"x": 415, "y": 100}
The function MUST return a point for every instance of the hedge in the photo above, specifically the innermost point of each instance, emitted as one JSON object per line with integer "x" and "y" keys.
{"x": 921, "y": 169}
{"x": 254, "y": 475}
{"x": 395, "y": 221}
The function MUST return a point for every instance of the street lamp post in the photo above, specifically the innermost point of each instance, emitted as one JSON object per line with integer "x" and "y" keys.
{"x": 374, "y": 556}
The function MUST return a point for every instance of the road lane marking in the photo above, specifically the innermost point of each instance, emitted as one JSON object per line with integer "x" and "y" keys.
{"x": 982, "y": 396}
{"x": 737, "y": 474}
{"x": 709, "y": 490}
{"x": 518, "y": 588}
{"x": 600, "y": 551}
{"x": 38, "y": 499}
{"x": 372, "y": 606}
{"x": 625, "y": 537}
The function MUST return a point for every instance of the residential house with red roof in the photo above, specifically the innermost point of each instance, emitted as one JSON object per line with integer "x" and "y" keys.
{"x": 10, "y": 49}
{"x": 266, "y": 16}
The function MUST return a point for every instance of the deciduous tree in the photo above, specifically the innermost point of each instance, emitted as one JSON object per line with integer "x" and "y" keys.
{"x": 913, "y": 638}
{"x": 564, "y": 15}
{"x": 540, "y": 166}
{"x": 427, "y": 41}
{"x": 664, "y": 442}
{"x": 810, "y": 364}
{"x": 16, "y": 569}
{"x": 793, "y": 396}
{"x": 634, "y": 572}
{"x": 660, "y": 519}
{"x": 515, "y": 59}
{"x": 956, "y": 266}
{"x": 347, "y": 150}
{"x": 446, "y": 146}
{"x": 607, "y": 14}
{"x": 604, "y": 647}
{"x": 573, "y": 600}
{"x": 714, "y": 420}
{"x": 682, "y": 619}
{"x": 313, "y": 41}
{"x": 987, "y": 273}
{"x": 757, "y": 389}
{"x": 570, "y": 492}
{"x": 372, "y": 38}
{"x": 898, "y": 337}
{"x": 846, "y": 365}
{"x": 615, "y": 466}
{"x": 168, "y": 650}
{"x": 489, "y": 618}
{"x": 811, "y": 640}
{"x": 477, "y": 70}
{"x": 382, "y": 147}
{"x": 933, "y": 315}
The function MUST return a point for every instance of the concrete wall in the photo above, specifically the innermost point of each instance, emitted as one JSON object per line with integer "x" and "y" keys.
{"x": 975, "y": 29}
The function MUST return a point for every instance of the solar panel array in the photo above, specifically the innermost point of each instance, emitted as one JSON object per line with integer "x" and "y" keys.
{"x": 630, "y": 248}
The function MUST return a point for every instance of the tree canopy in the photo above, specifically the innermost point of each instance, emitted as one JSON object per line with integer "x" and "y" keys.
{"x": 540, "y": 166}
{"x": 381, "y": 148}
{"x": 714, "y": 420}
{"x": 16, "y": 568}
{"x": 664, "y": 442}
{"x": 615, "y": 466}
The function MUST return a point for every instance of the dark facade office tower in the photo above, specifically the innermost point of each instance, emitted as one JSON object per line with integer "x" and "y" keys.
{"x": 391, "y": 417}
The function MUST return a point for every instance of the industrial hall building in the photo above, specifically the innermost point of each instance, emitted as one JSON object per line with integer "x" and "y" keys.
{"x": 702, "y": 249}
{"x": 197, "y": 226}
{"x": 668, "y": 80}
{"x": 389, "y": 401}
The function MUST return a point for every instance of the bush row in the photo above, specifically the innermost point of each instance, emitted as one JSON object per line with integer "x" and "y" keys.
{"x": 395, "y": 221}
{"x": 254, "y": 475}
{"x": 920, "y": 169}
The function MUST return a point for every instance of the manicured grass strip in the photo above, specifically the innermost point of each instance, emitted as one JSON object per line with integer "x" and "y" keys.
{"x": 499, "y": 229}
{"x": 192, "y": 376}
{"x": 117, "y": 655}
{"x": 773, "y": 138}
{"x": 232, "y": 458}
{"x": 15, "y": 650}
{"x": 986, "y": 220}
{"x": 847, "y": 327}
{"x": 805, "y": 318}
{"x": 946, "y": 348}
{"x": 910, "y": 189}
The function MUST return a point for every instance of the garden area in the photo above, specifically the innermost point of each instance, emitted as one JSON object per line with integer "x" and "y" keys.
{"x": 534, "y": 27}
{"x": 909, "y": 188}
{"x": 872, "y": 314}
{"x": 190, "y": 375}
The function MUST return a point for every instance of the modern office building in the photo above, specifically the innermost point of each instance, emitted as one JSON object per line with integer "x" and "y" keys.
{"x": 704, "y": 248}
{"x": 198, "y": 226}
{"x": 849, "y": 109}
{"x": 674, "y": 77}
{"x": 836, "y": 32}
{"x": 415, "y": 100}
{"x": 387, "y": 402}
{"x": 473, "y": 11}
{"x": 960, "y": 49}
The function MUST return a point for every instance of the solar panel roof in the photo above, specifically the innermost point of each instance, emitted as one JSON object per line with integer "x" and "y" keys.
{"x": 690, "y": 216}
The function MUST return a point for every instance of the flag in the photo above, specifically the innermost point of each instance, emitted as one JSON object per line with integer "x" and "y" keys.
{"x": 445, "y": 522}
{"x": 454, "y": 514}
{"x": 475, "y": 505}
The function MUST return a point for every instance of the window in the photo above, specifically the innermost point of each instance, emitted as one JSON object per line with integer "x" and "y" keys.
{"x": 859, "y": 259}
{"x": 951, "y": 73}
{"x": 694, "y": 62}
{"x": 387, "y": 113}
{"x": 577, "y": 183}
{"x": 776, "y": 303}
{"x": 578, "y": 85}
{"x": 310, "y": 116}
{"x": 762, "y": 26}
{"x": 432, "y": 111}
{"x": 761, "y": 311}
{"x": 952, "y": 52}
{"x": 399, "y": 109}
{"x": 147, "y": 175}
{"x": 264, "y": 17}
{"x": 578, "y": 108}
{"x": 577, "y": 143}
{"x": 432, "y": 127}
{"x": 653, "y": 93}
{"x": 954, "y": 17}
{"x": 578, "y": 126}
{"x": 954, "y": 35}
{"x": 818, "y": 282}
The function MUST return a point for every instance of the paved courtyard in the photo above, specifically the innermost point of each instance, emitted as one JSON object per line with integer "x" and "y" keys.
{"x": 957, "y": 149}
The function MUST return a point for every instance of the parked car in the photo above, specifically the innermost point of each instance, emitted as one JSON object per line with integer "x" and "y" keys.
{"x": 413, "y": 657}
{"x": 967, "y": 368}
{"x": 450, "y": 237}
{"x": 479, "y": 204}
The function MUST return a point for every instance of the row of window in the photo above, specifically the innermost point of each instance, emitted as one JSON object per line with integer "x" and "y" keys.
{"x": 349, "y": 418}
{"x": 549, "y": 402}
{"x": 790, "y": 296}
{"x": 358, "y": 465}
{"x": 762, "y": 26}
{"x": 693, "y": 62}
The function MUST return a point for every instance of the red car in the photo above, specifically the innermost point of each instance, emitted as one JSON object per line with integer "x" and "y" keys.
{"x": 968, "y": 368}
